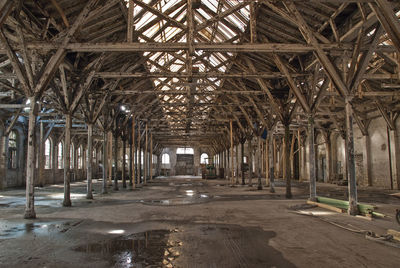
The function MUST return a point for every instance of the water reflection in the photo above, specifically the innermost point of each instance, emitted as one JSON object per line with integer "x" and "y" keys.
{"x": 152, "y": 248}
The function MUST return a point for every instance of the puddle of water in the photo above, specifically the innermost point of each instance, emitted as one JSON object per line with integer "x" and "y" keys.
{"x": 14, "y": 230}
{"x": 189, "y": 199}
{"x": 149, "y": 249}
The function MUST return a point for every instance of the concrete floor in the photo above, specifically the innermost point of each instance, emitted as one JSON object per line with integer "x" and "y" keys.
{"x": 189, "y": 222}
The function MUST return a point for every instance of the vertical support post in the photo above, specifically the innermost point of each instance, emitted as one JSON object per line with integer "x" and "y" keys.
{"x": 105, "y": 164}
{"x": 67, "y": 161}
{"x": 145, "y": 160}
{"x": 41, "y": 155}
{"x": 250, "y": 150}
{"x": 123, "y": 161}
{"x": 30, "y": 170}
{"x": 231, "y": 135}
{"x": 242, "y": 157}
{"x": 366, "y": 160}
{"x": 109, "y": 156}
{"x": 272, "y": 154}
{"x": 328, "y": 150}
{"x": 115, "y": 162}
{"x": 259, "y": 160}
{"x": 139, "y": 156}
{"x": 267, "y": 160}
{"x": 151, "y": 156}
{"x": 395, "y": 158}
{"x": 134, "y": 154}
{"x": 129, "y": 34}
{"x": 274, "y": 157}
{"x": 237, "y": 164}
{"x": 89, "y": 158}
{"x": 351, "y": 168}
{"x": 130, "y": 163}
{"x": 3, "y": 162}
{"x": 311, "y": 147}
{"x": 287, "y": 161}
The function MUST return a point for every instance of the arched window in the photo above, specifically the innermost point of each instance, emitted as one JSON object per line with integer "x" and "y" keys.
{"x": 60, "y": 156}
{"x": 47, "y": 154}
{"x": 184, "y": 151}
{"x": 71, "y": 156}
{"x": 80, "y": 158}
{"x": 12, "y": 150}
{"x": 204, "y": 158}
{"x": 165, "y": 159}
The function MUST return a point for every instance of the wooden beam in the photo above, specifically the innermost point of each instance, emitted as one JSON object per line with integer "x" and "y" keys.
{"x": 175, "y": 47}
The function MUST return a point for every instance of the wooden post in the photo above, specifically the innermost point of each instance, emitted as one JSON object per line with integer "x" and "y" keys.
{"x": 259, "y": 160}
{"x": 287, "y": 161}
{"x": 3, "y": 161}
{"x": 231, "y": 135}
{"x": 129, "y": 34}
{"x": 242, "y": 156}
{"x": 267, "y": 161}
{"x": 123, "y": 161}
{"x": 30, "y": 170}
{"x": 351, "y": 168}
{"x": 250, "y": 150}
{"x": 292, "y": 155}
{"x": 237, "y": 164}
{"x": 130, "y": 161}
{"x": 139, "y": 156}
{"x": 135, "y": 154}
{"x": 89, "y": 194}
{"x": 145, "y": 162}
{"x": 67, "y": 161}
{"x": 115, "y": 162}
{"x": 271, "y": 153}
{"x": 274, "y": 156}
{"x": 105, "y": 164}
{"x": 311, "y": 147}
{"x": 109, "y": 156}
{"x": 42, "y": 160}
{"x": 394, "y": 158}
{"x": 151, "y": 156}
{"x": 328, "y": 150}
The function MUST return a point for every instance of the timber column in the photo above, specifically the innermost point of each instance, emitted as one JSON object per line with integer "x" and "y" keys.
{"x": 115, "y": 162}
{"x": 394, "y": 158}
{"x": 250, "y": 149}
{"x": 89, "y": 194}
{"x": 134, "y": 152}
{"x": 123, "y": 161}
{"x": 351, "y": 167}
{"x": 130, "y": 175}
{"x": 259, "y": 160}
{"x": 67, "y": 161}
{"x": 105, "y": 164}
{"x": 30, "y": 169}
{"x": 145, "y": 160}
{"x": 41, "y": 159}
{"x": 242, "y": 157}
{"x": 3, "y": 161}
{"x": 271, "y": 149}
{"x": 287, "y": 161}
{"x": 311, "y": 147}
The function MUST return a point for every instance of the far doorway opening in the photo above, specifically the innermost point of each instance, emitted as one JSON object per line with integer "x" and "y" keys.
{"x": 184, "y": 161}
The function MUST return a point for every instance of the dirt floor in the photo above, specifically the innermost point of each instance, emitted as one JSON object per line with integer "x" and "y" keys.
{"x": 190, "y": 222}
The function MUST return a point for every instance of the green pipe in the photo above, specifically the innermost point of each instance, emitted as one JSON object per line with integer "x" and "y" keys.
{"x": 363, "y": 208}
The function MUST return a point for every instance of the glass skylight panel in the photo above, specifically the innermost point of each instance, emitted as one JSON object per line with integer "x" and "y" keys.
{"x": 211, "y": 4}
{"x": 146, "y": 18}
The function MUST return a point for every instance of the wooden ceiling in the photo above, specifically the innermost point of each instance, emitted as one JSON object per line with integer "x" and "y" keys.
{"x": 186, "y": 68}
